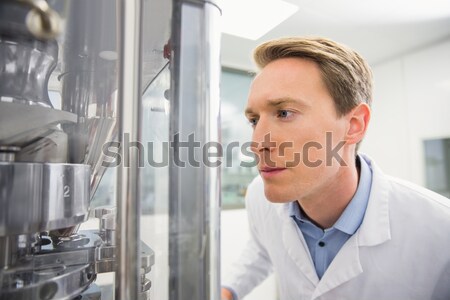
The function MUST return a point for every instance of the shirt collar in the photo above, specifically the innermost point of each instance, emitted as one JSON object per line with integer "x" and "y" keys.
{"x": 353, "y": 215}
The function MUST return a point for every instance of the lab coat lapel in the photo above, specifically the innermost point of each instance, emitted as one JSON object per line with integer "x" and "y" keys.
{"x": 374, "y": 230}
{"x": 344, "y": 267}
{"x": 296, "y": 247}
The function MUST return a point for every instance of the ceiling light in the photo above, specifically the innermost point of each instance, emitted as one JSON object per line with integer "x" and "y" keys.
{"x": 251, "y": 19}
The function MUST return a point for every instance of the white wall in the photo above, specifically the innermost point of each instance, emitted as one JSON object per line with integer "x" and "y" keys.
{"x": 411, "y": 103}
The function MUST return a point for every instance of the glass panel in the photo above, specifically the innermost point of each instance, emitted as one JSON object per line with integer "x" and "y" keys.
{"x": 236, "y": 134}
{"x": 154, "y": 180}
{"x": 194, "y": 183}
{"x": 437, "y": 164}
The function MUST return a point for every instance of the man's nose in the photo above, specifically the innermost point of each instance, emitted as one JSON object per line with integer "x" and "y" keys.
{"x": 262, "y": 139}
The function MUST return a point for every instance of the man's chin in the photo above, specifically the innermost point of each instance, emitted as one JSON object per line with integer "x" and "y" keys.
{"x": 275, "y": 196}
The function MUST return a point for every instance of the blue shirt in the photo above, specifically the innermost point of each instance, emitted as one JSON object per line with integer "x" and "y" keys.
{"x": 323, "y": 245}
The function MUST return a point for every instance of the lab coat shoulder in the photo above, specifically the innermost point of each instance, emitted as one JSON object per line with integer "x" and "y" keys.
{"x": 419, "y": 214}
{"x": 406, "y": 202}
{"x": 428, "y": 198}
{"x": 404, "y": 242}
{"x": 412, "y": 206}
{"x": 403, "y": 211}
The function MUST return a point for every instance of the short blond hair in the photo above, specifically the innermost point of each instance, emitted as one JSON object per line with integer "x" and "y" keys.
{"x": 345, "y": 73}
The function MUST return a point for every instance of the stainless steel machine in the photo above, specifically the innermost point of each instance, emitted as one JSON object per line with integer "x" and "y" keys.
{"x": 78, "y": 77}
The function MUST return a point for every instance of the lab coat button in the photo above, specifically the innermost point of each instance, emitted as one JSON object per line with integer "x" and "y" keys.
{"x": 321, "y": 243}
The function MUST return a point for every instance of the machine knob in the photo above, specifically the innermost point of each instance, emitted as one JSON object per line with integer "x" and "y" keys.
{"x": 108, "y": 222}
{"x": 100, "y": 211}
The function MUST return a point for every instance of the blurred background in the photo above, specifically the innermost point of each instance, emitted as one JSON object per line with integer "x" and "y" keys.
{"x": 407, "y": 44}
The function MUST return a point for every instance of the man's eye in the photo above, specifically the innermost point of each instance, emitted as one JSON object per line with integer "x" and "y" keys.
{"x": 253, "y": 121}
{"x": 284, "y": 113}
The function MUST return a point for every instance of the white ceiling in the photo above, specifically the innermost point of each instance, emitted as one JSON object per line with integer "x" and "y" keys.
{"x": 377, "y": 29}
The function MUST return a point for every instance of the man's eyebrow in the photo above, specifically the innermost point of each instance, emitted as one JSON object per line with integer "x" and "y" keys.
{"x": 248, "y": 111}
{"x": 280, "y": 102}
{"x": 287, "y": 100}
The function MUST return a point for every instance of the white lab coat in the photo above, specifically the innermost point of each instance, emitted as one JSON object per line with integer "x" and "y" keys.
{"x": 400, "y": 252}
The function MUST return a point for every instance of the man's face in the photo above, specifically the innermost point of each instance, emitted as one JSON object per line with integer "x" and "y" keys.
{"x": 292, "y": 113}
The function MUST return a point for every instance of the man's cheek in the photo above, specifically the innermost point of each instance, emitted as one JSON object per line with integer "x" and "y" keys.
{"x": 290, "y": 154}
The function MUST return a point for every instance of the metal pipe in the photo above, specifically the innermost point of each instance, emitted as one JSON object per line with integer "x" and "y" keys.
{"x": 129, "y": 90}
{"x": 212, "y": 115}
{"x": 194, "y": 194}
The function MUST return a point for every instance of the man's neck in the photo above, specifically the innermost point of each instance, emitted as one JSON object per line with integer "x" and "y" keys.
{"x": 325, "y": 208}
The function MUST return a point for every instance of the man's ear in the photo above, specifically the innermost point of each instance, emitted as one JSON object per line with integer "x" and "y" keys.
{"x": 358, "y": 120}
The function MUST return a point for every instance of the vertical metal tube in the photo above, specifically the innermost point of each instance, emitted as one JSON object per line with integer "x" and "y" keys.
{"x": 194, "y": 194}
{"x": 129, "y": 91}
{"x": 5, "y": 251}
{"x": 212, "y": 114}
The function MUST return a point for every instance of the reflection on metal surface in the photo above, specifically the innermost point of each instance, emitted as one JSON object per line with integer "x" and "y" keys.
{"x": 59, "y": 105}
{"x": 63, "y": 267}
{"x": 36, "y": 197}
{"x": 21, "y": 125}
{"x": 50, "y": 151}
{"x": 26, "y": 68}
{"x": 89, "y": 82}
{"x": 54, "y": 282}
{"x": 194, "y": 203}
{"x": 127, "y": 278}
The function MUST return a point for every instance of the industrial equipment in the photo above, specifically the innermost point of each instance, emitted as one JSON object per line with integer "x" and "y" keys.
{"x": 78, "y": 77}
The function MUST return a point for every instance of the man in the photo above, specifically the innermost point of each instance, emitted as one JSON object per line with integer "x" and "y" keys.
{"x": 324, "y": 218}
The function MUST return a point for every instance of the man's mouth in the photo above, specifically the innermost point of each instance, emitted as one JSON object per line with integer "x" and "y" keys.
{"x": 267, "y": 172}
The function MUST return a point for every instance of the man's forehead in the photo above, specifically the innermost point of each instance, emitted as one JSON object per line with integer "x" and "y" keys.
{"x": 297, "y": 80}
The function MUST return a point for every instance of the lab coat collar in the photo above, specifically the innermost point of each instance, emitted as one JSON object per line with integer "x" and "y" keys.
{"x": 374, "y": 230}
{"x": 296, "y": 247}
{"x": 375, "y": 227}
{"x": 344, "y": 267}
